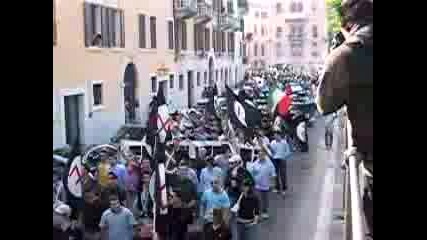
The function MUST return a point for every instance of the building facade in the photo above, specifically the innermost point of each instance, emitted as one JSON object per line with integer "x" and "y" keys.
{"x": 297, "y": 32}
{"x": 111, "y": 56}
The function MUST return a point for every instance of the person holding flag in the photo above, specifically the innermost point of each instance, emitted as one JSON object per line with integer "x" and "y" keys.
{"x": 158, "y": 132}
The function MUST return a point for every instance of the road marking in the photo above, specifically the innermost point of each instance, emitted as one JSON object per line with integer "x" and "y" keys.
{"x": 324, "y": 219}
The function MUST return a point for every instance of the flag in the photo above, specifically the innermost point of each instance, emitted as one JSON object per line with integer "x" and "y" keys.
{"x": 242, "y": 112}
{"x": 158, "y": 132}
{"x": 280, "y": 101}
{"x": 73, "y": 178}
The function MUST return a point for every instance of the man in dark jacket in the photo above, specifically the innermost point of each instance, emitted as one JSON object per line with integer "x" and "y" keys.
{"x": 348, "y": 80}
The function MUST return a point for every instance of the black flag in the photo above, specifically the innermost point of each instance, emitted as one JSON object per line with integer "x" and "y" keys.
{"x": 242, "y": 112}
{"x": 158, "y": 132}
{"x": 73, "y": 178}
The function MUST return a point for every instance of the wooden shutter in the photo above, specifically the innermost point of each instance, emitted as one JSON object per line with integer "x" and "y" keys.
{"x": 122, "y": 29}
{"x": 184, "y": 35}
{"x": 170, "y": 34}
{"x": 142, "y": 35}
{"x": 196, "y": 42}
{"x": 113, "y": 27}
{"x": 207, "y": 39}
{"x": 88, "y": 24}
{"x": 153, "y": 33}
{"x": 103, "y": 27}
{"x": 214, "y": 40}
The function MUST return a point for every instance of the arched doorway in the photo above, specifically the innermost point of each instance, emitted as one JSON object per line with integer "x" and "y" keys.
{"x": 211, "y": 71}
{"x": 131, "y": 103}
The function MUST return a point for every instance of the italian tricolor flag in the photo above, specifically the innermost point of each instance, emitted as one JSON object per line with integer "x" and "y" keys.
{"x": 280, "y": 101}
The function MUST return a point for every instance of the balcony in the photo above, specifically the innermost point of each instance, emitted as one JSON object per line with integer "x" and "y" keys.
{"x": 243, "y": 7}
{"x": 296, "y": 17}
{"x": 204, "y": 12}
{"x": 185, "y": 9}
{"x": 229, "y": 22}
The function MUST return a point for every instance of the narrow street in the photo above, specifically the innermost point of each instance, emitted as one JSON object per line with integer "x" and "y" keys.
{"x": 314, "y": 197}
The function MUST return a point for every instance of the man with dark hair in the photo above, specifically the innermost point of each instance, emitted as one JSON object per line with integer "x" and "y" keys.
{"x": 348, "y": 80}
{"x": 117, "y": 222}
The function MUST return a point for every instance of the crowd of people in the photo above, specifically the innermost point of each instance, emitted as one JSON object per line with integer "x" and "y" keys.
{"x": 225, "y": 196}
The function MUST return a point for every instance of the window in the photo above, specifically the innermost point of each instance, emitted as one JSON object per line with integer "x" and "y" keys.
{"x": 293, "y": 7}
{"x": 207, "y": 39}
{"x": 183, "y": 35}
{"x": 262, "y": 30}
{"x": 279, "y": 31}
{"x": 170, "y": 34}
{"x": 264, "y": 15}
{"x": 198, "y": 80}
{"x": 97, "y": 94}
{"x": 54, "y": 23}
{"x": 299, "y": 7}
{"x": 214, "y": 35}
{"x": 279, "y": 8}
{"x": 231, "y": 42}
{"x": 205, "y": 77}
{"x": 314, "y": 54}
{"x": 153, "y": 84}
{"x": 314, "y": 44}
{"x": 256, "y": 14}
{"x": 181, "y": 82}
{"x": 142, "y": 34}
{"x": 255, "y": 30}
{"x": 223, "y": 48}
{"x": 153, "y": 33}
{"x": 315, "y": 33}
{"x": 196, "y": 37}
{"x": 171, "y": 81}
{"x": 255, "y": 49}
{"x": 262, "y": 50}
{"x": 230, "y": 8}
{"x": 108, "y": 34}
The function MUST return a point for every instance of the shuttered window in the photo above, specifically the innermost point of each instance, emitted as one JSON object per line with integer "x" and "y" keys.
{"x": 223, "y": 41}
{"x": 214, "y": 35}
{"x": 142, "y": 32}
{"x": 207, "y": 39}
{"x": 183, "y": 35}
{"x": 104, "y": 26}
{"x": 170, "y": 34}
{"x": 153, "y": 32}
{"x": 196, "y": 37}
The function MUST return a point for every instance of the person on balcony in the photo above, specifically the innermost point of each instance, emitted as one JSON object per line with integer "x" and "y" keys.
{"x": 347, "y": 79}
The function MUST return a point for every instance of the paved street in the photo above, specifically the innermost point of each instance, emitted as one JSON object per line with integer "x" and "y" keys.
{"x": 307, "y": 213}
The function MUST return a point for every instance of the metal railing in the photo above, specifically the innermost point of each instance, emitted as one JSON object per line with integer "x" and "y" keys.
{"x": 353, "y": 218}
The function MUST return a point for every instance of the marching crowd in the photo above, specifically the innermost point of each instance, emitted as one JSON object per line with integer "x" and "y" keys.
{"x": 225, "y": 197}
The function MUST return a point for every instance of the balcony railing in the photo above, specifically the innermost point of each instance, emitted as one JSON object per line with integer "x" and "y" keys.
{"x": 185, "y": 9}
{"x": 228, "y": 22}
{"x": 354, "y": 227}
{"x": 204, "y": 12}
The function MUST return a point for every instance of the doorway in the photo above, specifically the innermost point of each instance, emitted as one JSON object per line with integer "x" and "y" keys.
{"x": 190, "y": 88}
{"x": 164, "y": 86}
{"x": 131, "y": 102}
{"x": 73, "y": 114}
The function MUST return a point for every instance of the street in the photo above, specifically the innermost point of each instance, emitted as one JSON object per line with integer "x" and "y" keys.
{"x": 307, "y": 212}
